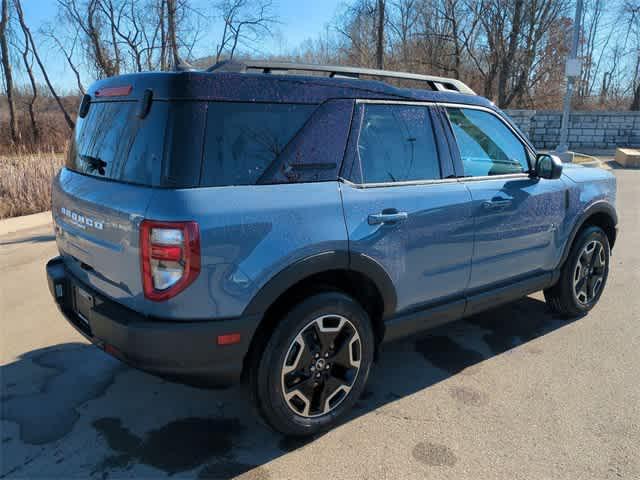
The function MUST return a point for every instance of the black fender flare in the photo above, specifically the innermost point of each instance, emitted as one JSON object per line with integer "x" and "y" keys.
{"x": 319, "y": 263}
{"x": 601, "y": 206}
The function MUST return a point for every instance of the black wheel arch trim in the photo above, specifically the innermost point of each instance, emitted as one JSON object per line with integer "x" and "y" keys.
{"x": 319, "y": 263}
{"x": 369, "y": 267}
{"x": 601, "y": 206}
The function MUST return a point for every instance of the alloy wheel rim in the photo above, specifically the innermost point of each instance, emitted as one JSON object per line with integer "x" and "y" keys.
{"x": 588, "y": 275}
{"x": 321, "y": 366}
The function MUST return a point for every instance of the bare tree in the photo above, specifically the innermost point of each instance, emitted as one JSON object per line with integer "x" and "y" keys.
{"x": 43, "y": 70}
{"x": 402, "y": 20}
{"x": 113, "y": 16}
{"x": 68, "y": 52}
{"x": 7, "y": 69}
{"x": 462, "y": 19}
{"x": 88, "y": 18}
{"x": 380, "y": 34}
{"x": 501, "y": 45}
{"x": 632, "y": 11}
{"x": 28, "y": 65}
{"x": 516, "y": 32}
{"x": 104, "y": 59}
{"x": 245, "y": 22}
{"x": 357, "y": 29}
{"x": 163, "y": 34}
{"x": 118, "y": 36}
{"x": 128, "y": 28}
{"x": 172, "y": 36}
{"x": 587, "y": 46}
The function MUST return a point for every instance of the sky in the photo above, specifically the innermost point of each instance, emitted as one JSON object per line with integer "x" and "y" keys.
{"x": 300, "y": 20}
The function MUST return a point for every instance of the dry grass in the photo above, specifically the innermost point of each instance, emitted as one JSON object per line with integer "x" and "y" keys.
{"x": 25, "y": 182}
{"x": 52, "y": 130}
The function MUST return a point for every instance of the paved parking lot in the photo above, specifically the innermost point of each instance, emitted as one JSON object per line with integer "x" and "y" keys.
{"x": 512, "y": 393}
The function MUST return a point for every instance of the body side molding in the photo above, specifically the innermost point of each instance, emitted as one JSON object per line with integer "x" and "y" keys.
{"x": 406, "y": 324}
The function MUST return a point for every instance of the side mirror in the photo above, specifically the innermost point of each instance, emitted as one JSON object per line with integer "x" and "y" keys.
{"x": 548, "y": 166}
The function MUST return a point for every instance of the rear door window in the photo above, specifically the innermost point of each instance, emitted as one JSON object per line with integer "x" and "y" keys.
{"x": 244, "y": 140}
{"x": 396, "y": 144}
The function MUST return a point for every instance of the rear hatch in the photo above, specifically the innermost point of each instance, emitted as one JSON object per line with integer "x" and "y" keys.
{"x": 119, "y": 154}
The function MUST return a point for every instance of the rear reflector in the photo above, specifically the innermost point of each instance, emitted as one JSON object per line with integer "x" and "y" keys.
{"x": 229, "y": 339}
{"x": 111, "y": 350}
{"x": 166, "y": 252}
{"x": 122, "y": 91}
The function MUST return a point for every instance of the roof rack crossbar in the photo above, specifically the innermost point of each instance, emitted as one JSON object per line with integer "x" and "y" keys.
{"x": 436, "y": 83}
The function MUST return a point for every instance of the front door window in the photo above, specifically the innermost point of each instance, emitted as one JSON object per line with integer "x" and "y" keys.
{"x": 487, "y": 146}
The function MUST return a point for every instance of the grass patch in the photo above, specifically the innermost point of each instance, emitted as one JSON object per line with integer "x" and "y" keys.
{"x": 25, "y": 182}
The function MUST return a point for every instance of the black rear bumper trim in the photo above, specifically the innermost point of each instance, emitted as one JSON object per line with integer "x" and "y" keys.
{"x": 184, "y": 351}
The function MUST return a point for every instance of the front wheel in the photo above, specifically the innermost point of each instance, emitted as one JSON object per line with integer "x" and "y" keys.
{"x": 315, "y": 365}
{"x": 583, "y": 275}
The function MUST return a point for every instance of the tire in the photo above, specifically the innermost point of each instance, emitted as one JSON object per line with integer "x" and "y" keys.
{"x": 283, "y": 382}
{"x": 577, "y": 290}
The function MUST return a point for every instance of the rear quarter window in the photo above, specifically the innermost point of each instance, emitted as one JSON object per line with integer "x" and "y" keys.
{"x": 243, "y": 141}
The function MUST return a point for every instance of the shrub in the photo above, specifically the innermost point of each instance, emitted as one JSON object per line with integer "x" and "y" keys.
{"x": 25, "y": 182}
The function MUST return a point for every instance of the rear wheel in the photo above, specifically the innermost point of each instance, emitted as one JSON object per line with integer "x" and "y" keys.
{"x": 583, "y": 276}
{"x": 315, "y": 365}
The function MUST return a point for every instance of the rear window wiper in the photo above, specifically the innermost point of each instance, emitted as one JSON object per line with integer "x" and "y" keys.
{"x": 94, "y": 163}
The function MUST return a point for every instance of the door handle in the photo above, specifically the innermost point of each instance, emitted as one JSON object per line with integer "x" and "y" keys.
{"x": 387, "y": 217}
{"x": 496, "y": 204}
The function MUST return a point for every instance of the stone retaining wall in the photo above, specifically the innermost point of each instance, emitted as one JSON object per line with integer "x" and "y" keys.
{"x": 587, "y": 130}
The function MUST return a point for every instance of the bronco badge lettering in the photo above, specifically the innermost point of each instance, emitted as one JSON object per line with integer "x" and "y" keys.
{"x": 82, "y": 221}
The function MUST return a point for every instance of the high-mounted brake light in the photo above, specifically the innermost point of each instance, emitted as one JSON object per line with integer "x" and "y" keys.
{"x": 122, "y": 91}
{"x": 170, "y": 255}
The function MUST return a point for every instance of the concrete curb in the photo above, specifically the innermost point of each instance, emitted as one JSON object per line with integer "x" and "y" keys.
{"x": 15, "y": 224}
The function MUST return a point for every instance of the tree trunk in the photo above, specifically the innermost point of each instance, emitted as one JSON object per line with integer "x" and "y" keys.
{"x": 29, "y": 68}
{"x": 173, "y": 40}
{"x": 116, "y": 48}
{"x": 380, "y": 36}
{"x": 635, "y": 104}
{"x": 103, "y": 61}
{"x": 508, "y": 58}
{"x": 236, "y": 36}
{"x": 163, "y": 37}
{"x": 67, "y": 118}
{"x": 457, "y": 54}
{"x": 6, "y": 66}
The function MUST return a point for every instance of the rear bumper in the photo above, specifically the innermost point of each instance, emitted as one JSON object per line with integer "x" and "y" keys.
{"x": 184, "y": 351}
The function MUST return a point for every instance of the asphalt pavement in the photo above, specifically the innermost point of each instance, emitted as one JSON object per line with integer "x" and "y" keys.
{"x": 512, "y": 393}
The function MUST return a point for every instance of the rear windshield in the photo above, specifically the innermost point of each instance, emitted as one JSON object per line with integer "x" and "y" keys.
{"x": 112, "y": 142}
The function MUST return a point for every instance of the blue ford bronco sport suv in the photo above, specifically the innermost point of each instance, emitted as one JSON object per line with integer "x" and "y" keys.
{"x": 276, "y": 222}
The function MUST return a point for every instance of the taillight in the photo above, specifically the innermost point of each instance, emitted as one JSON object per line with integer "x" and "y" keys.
{"x": 170, "y": 253}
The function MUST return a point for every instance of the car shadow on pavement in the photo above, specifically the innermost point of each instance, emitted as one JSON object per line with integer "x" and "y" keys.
{"x": 73, "y": 397}
{"x": 30, "y": 239}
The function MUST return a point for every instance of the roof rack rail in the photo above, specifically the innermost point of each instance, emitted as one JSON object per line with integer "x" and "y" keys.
{"x": 441, "y": 84}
